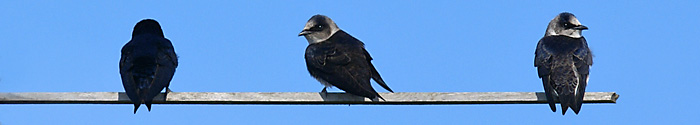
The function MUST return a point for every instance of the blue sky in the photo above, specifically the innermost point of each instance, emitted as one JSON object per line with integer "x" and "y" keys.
{"x": 645, "y": 51}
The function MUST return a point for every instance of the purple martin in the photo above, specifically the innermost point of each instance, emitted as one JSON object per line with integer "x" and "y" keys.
{"x": 147, "y": 63}
{"x": 563, "y": 59}
{"x": 337, "y": 59}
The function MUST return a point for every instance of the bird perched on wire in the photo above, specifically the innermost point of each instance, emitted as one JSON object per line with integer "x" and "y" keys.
{"x": 147, "y": 63}
{"x": 563, "y": 59}
{"x": 337, "y": 59}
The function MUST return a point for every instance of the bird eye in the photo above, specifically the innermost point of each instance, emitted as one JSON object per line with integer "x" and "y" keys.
{"x": 317, "y": 28}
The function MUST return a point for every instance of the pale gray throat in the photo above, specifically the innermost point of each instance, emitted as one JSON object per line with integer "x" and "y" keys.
{"x": 572, "y": 34}
{"x": 315, "y": 38}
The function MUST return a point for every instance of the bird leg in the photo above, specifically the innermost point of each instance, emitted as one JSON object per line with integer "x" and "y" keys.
{"x": 324, "y": 93}
{"x": 167, "y": 90}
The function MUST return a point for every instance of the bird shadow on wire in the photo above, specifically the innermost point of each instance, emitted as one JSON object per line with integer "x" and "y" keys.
{"x": 340, "y": 97}
{"x": 328, "y": 97}
{"x": 542, "y": 97}
{"x": 160, "y": 98}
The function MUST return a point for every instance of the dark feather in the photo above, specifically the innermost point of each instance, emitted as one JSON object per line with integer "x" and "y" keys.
{"x": 542, "y": 61}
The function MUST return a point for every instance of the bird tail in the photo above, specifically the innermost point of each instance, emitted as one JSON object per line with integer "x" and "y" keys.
{"x": 549, "y": 93}
{"x": 148, "y": 105}
{"x": 136, "y": 107}
{"x": 143, "y": 82}
{"x": 576, "y": 104}
{"x": 580, "y": 93}
{"x": 565, "y": 79}
{"x": 377, "y": 78}
{"x": 567, "y": 100}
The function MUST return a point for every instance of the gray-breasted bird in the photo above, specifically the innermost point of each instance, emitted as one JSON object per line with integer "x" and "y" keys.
{"x": 563, "y": 59}
{"x": 337, "y": 59}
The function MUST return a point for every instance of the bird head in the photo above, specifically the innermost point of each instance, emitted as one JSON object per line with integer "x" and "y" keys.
{"x": 565, "y": 24}
{"x": 318, "y": 29}
{"x": 147, "y": 26}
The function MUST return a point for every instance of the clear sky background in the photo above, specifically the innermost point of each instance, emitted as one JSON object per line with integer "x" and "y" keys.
{"x": 645, "y": 51}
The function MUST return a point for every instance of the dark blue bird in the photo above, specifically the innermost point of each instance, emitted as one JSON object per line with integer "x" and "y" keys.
{"x": 147, "y": 63}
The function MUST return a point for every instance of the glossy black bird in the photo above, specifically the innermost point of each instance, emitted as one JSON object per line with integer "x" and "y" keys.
{"x": 563, "y": 59}
{"x": 337, "y": 59}
{"x": 147, "y": 64}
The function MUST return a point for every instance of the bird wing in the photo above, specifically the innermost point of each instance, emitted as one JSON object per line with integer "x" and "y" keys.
{"x": 324, "y": 58}
{"x": 342, "y": 66}
{"x": 166, "y": 62}
{"x": 125, "y": 70}
{"x": 543, "y": 64}
{"x": 583, "y": 61}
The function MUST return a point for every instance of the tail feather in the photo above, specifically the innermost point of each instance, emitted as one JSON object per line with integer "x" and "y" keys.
{"x": 143, "y": 82}
{"x": 566, "y": 101}
{"x": 549, "y": 93}
{"x": 148, "y": 98}
{"x": 136, "y": 107}
{"x": 565, "y": 78}
{"x": 379, "y": 81}
{"x": 577, "y": 100}
{"x": 580, "y": 93}
{"x": 377, "y": 78}
{"x": 576, "y": 105}
{"x": 148, "y": 105}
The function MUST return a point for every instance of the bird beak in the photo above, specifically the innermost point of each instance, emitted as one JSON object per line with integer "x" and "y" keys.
{"x": 581, "y": 27}
{"x": 304, "y": 32}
